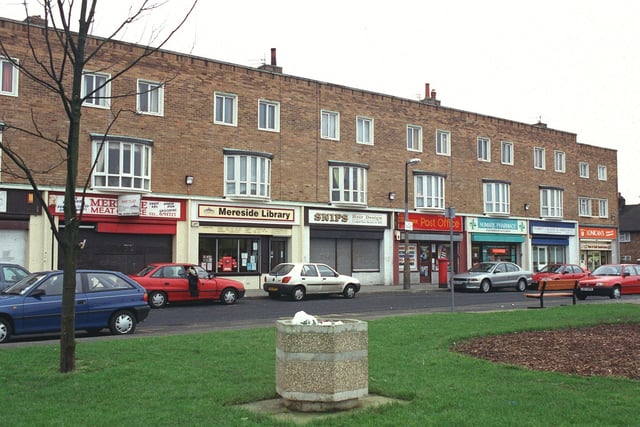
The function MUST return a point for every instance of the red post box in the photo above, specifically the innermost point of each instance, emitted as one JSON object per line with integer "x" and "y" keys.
{"x": 443, "y": 272}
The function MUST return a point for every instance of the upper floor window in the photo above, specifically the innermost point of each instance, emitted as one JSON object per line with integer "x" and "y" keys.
{"x": 247, "y": 174}
{"x": 603, "y": 208}
{"x": 624, "y": 237}
{"x": 584, "y": 170}
{"x": 497, "y": 197}
{"x": 225, "y": 109}
{"x": 150, "y": 98}
{"x": 506, "y": 153}
{"x": 443, "y": 142}
{"x": 559, "y": 161}
{"x": 121, "y": 163}
{"x": 96, "y": 89}
{"x": 8, "y": 77}
{"x": 538, "y": 158}
{"x": 551, "y": 202}
{"x": 364, "y": 130}
{"x": 602, "y": 172}
{"x": 484, "y": 149}
{"x": 429, "y": 191}
{"x": 329, "y": 125}
{"x": 268, "y": 115}
{"x": 348, "y": 183}
{"x": 584, "y": 206}
{"x": 414, "y": 138}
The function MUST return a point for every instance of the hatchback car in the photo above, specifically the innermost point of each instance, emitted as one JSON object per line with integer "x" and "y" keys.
{"x": 298, "y": 279}
{"x": 104, "y": 299}
{"x": 612, "y": 280}
{"x": 486, "y": 276}
{"x": 169, "y": 282}
{"x": 10, "y": 274}
{"x": 558, "y": 271}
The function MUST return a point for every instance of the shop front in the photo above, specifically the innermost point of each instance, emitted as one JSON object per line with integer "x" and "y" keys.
{"x": 16, "y": 209}
{"x": 497, "y": 239}
{"x": 596, "y": 246}
{"x": 552, "y": 243}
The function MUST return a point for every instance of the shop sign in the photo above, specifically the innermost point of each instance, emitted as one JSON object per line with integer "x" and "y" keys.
{"x": 244, "y": 213}
{"x": 496, "y": 225}
{"x": 109, "y": 206}
{"x": 595, "y": 246}
{"x": 368, "y": 219}
{"x": 430, "y": 222}
{"x": 597, "y": 233}
{"x": 553, "y": 230}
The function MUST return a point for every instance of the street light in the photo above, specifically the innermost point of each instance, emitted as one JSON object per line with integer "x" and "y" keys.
{"x": 408, "y": 225}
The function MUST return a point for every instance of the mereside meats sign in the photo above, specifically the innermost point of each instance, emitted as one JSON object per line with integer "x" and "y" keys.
{"x": 108, "y": 206}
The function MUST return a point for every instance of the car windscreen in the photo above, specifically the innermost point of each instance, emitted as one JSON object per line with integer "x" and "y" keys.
{"x": 281, "y": 269}
{"x": 24, "y": 284}
{"x": 607, "y": 270}
{"x": 483, "y": 267}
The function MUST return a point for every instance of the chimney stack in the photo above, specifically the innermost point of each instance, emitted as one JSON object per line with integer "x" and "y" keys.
{"x": 430, "y": 96}
{"x": 273, "y": 67}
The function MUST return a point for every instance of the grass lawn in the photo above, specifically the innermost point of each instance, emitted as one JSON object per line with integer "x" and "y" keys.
{"x": 196, "y": 379}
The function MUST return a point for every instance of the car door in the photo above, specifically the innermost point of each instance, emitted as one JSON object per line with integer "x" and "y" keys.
{"x": 500, "y": 275}
{"x": 173, "y": 281}
{"x": 630, "y": 280}
{"x": 310, "y": 278}
{"x": 330, "y": 282}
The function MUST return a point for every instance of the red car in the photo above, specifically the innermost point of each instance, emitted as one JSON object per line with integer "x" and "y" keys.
{"x": 558, "y": 271}
{"x": 172, "y": 282}
{"x": 612, "y": 280}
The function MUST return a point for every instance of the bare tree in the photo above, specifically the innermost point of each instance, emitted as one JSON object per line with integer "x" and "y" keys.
{"x": 58, "y": 53}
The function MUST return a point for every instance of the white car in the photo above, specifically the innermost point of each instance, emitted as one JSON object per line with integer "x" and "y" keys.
{"x": 297, "y": 279}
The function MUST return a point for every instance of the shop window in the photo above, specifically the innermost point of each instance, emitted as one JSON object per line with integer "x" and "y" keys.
{"x": 230, "y": 255}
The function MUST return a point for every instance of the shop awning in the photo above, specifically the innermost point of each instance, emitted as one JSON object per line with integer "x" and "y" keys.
{"x": 549, "y": 241}
{"x": 497, "y": 237}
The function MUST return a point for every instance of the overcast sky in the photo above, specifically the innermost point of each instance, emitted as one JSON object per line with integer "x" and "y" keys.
{"x": 573, "y": 64}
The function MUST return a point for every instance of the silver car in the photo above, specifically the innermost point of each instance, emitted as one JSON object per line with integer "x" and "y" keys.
{"x": 486, "y": 276}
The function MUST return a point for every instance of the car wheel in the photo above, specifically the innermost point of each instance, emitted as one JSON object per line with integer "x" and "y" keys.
{"x": 5, "y": 330}
{"x": 157, "y": 299}
{"x": 228, "y": 296}
{"x": 521, "y": 286}
{"x": 298, "y": 293}
{"x": 616, "y": 293}
{"x": 485, "y": 286}
{"x": 122, "y": 323}
{"x": 581, "y": 296}
{"x": 349, "y": 291}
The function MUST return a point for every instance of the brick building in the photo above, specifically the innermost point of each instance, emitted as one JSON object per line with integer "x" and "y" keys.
{"x": 629, "y": 232}
{"x": 209, "y": 161}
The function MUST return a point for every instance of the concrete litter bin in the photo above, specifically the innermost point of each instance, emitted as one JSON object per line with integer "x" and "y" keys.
{"x": 322, "y": 367}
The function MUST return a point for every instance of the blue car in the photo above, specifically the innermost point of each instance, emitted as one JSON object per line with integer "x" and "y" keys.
{"x": 104, "y": 299}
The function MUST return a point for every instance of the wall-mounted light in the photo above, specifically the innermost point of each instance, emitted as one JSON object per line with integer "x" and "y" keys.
{"x": 188, "y": 179}
{"x": 392, "y": 195}
{"x": 526, "y": 206}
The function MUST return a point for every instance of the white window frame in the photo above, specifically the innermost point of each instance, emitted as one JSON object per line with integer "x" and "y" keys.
{"x": 551, "y": 203}
{"x": 147, "y": 96}
{"x": 483, "y": 149}
{"x": 123, "y": 163}
{"x": 364, "y": 130}
{"x": 96, "y": 98}
{"x": 496, "y": 197}
{"x": 414, "y": 138}
{"x": 347, "y": 183}
{"x": 583, "y": 169}
{"x": 247, "y": 175}
{"x": 506, "y": 153}
{"x": 268, "y": 115}
{"x": 8, "y": 66}
{"x": 330, "y": 125}
{"x": 603, "y": 208}
{"x": 539, "y": 161}
{"x": 602, "y": 173}
{"x": 222, "y": 102}
{"x": 584, "y": 206}
{"x": 429, "y": 191}
{"x": 443, "y": 142}
{"x": 624, "y": 237}
{"x": 559, "y": 161}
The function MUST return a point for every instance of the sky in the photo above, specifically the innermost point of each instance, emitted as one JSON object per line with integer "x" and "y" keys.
{"x": 572, "y": 64}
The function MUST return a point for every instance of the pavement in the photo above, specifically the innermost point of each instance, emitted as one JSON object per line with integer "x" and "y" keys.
{"x": 364, "y": 289}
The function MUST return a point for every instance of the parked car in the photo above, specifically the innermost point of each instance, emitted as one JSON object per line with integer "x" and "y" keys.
{"x": 486, "y": 276}
{"x": 104, "y": 299}
{"x": 612, "y": 280}
{"x": 10, "y": 274}
{"x": 297, "y": 279}
{"x": 558, "y": 271}
{"x": 169, "y": 282}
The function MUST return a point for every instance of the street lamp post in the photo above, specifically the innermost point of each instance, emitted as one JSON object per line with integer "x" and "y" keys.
{"x": 408, "y": 225}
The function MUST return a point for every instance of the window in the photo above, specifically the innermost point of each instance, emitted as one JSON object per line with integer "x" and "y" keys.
{"x": 269, "y": 115}
{"x": 329, "y": 125}
{"x": 443, "y": 142}
{"x": 584, "y": 170}
{"x": 364, "y": 130}
{"x": 348, "y": 183}
{"x": 497, "y": 197}
{"x": 230, "y": 255}
{"x": 414, "y": 138}
{"x": 584, "y": 206}
{"x": 484, "y": 149}
{"x": 558, "y": 161}
{"x": 247, "y": 174}
{"x": 603, "y": 208}
{"x": 538, "y": 158}
{"x": 225, "y": 109}
{"x": 8, "y": 77}
{"x": 625, "y": 237}
{"x": 506, "y": 153}
{"x": 551, "y": 202}
{"x": 150, "y": 98}
{"x": 602, "y": 172}
{"x": 429, "y": 191}
{"x": 96, "y": 89}
{"x": 122, "y": 163}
